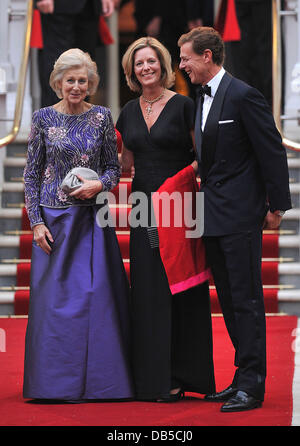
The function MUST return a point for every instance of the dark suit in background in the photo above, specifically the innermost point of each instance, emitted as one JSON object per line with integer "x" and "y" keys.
{"x": 252, "y": 56}
{"x": 200, "y": 9}
{"x": 173, "y": 21}
{"x": 74, "y": 24}
{"x": 175, "y": 16}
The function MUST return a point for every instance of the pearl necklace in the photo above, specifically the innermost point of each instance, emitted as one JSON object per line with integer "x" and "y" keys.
{"x": 150, "y": 102}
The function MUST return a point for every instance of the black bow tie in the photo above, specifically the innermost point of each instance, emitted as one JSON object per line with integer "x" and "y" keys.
{"x": 204, "y": 90}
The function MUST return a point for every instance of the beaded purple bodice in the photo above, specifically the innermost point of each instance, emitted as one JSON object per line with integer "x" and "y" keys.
{"x": 58, "y": 143}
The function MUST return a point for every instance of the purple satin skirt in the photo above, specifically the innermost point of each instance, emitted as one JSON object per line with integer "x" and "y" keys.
{"x": 78, "y": 333}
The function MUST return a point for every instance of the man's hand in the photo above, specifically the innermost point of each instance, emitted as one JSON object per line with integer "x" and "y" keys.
{"x": 194, "y": 23}
{"x": 45, "y": 6}
{"x": 153, "y": 27}
{"x": 108, "y": 7}
{"x": 272, "y": 221}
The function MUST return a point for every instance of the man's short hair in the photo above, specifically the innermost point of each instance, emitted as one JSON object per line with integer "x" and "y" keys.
{"x": 203, "y": 38}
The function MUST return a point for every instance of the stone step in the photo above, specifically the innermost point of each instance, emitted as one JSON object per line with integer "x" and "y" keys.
{"x": 294, "y": 163}
{"x": 14, "y": 161}
{"x": 13, "y": 186}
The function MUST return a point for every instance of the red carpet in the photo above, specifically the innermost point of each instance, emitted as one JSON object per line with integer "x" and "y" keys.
{"x": 192, "y": 411}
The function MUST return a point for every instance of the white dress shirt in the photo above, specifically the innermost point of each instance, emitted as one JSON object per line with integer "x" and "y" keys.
{"x": 213, "y": 84}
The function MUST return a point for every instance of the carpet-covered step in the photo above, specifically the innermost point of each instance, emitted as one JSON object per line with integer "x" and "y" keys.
{"x": 122, "y": 190}
{"x": 272, "y": 242}
{"x": 19, "y": 298}
{"x": 119, "y": 216}
{"x": 270, "y": 300}
{"x": 24, "y": 243}
{"x": 20, "y": 268}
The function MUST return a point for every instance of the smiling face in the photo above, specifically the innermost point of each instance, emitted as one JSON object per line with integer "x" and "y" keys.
{"x": 74, "y": 85}
{"x": 195, "y": 65}
{"x": 147, "y": 67}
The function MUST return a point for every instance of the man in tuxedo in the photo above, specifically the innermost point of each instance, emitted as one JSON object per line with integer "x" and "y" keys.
{"x": 67, "y": 24}
{"x": 245, "y": 181}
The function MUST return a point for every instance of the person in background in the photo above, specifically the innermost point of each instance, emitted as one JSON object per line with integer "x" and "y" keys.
{"x": 171, "y": 334}
{"x": 199, "y": 13}
{"x": 245, "y": 181}
{"x": 67, "y": 24}
{"x": 166, "y": 21}
{"x": 77, "y": 338}
{"x": 252, "y": 55}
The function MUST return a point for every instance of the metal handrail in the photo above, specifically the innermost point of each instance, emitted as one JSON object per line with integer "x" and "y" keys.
{"x": 21, "y": 81}
{"x": 277, "y": 80}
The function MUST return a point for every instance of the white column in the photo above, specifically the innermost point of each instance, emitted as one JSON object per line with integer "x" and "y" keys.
{"x": 113, "y": 80}
{"x": 5, "y": 74}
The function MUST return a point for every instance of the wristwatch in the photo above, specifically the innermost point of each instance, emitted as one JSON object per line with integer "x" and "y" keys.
{"x": 280, "y": 213}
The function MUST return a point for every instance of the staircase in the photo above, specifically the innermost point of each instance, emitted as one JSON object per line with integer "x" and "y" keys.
{"x": 281, "y": 263}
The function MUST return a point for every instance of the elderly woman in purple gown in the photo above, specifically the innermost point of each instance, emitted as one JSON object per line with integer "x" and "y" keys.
{"x": 78, "y": 331}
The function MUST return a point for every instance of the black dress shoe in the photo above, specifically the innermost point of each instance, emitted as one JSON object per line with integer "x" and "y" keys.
{"x": 241, "y": 401}
{"x": 224, "y": 395}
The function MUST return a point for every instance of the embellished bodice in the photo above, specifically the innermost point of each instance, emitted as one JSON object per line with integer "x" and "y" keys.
{"x": 59, "y": 142}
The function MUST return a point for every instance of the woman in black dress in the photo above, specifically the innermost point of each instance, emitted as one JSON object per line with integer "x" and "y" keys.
{"x": 172, "y": 342}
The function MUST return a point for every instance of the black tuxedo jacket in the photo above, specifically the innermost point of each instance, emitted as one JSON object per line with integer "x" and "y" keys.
{"x": 75, "y": 6}
{"x": 243, "y": 164}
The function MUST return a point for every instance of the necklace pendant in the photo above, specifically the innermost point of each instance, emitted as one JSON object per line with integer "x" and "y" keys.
{"x": 149, "y": 109}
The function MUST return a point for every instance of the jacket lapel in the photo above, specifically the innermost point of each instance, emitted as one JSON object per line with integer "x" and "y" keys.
{"x": 198, "y": 132}
{"x": 210, "y": 133}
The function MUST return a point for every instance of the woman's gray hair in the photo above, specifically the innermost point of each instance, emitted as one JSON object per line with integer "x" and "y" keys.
{"x": 70, "y": 59}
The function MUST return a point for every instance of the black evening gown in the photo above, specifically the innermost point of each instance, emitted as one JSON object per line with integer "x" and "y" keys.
{"x": 172, "y": 335}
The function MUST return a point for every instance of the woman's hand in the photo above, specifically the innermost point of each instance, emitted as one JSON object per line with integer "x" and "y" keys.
{"x": 88, "y": 189}
{"x": 126, "y": 160}
{"x": 195, "y": 166}
{"x": 45, "y": 6}
{"x": 40, "y": 235}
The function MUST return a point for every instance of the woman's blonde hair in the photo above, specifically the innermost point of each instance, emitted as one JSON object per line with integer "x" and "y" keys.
{"x": 167, "y": 74}
{"x": 70, "y": 59}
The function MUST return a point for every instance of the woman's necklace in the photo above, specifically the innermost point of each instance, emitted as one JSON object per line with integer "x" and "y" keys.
{"x": 150, "y": 102}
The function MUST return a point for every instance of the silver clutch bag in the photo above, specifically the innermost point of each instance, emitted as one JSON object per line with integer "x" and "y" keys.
{"x": 71, "y": 182}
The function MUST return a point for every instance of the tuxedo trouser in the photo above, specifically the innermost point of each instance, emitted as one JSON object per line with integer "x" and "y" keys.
{"x": 235, "y": 262}
{"x": 60, "y": 33}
